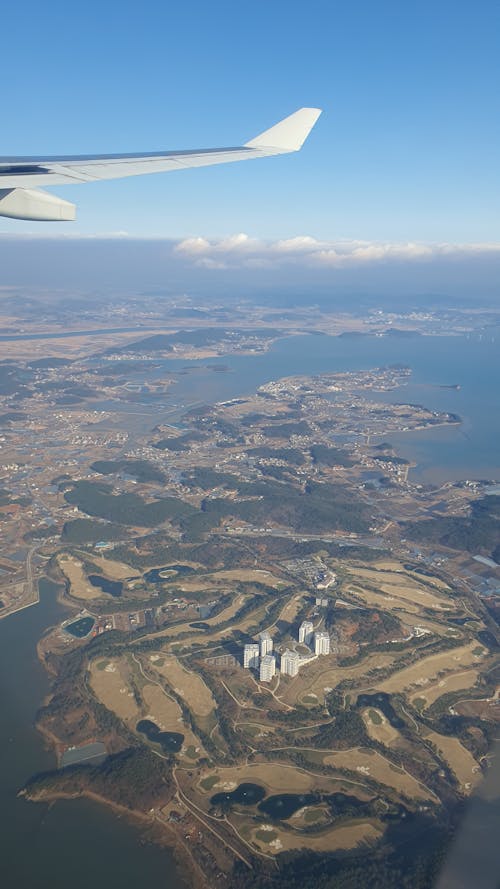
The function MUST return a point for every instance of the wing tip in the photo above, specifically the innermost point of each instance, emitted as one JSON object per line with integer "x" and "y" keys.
{"x": 288, "y": 134}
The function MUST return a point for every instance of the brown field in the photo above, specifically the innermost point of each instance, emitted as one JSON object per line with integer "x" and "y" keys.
{"x": 376, "y": 766}
{"x": 420, "y": 674}
{"x": 345, "y": 837}
{"x": 112, "y": 687}
{"x": 188, "y": 685}
{"x": 460, "y": 761}
{"x": 383, "y": 732}
{"x": 79, "y": 585}
{"x": 454, "y": 682}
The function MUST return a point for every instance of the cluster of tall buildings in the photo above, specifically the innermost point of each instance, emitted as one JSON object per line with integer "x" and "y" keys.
{"x": 259, "y": 655}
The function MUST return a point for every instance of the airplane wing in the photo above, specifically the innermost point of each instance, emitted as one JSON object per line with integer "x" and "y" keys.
{"x": 20, "y": 177}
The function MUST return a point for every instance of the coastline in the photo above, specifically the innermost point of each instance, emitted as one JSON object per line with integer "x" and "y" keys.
{"x": 183, "y": 856}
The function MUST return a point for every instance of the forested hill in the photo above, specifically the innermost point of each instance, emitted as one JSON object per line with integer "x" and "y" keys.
{"x": 477, "y": 532}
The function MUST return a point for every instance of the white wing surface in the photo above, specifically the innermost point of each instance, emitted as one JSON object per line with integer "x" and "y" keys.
{"x": 20, "y": 177}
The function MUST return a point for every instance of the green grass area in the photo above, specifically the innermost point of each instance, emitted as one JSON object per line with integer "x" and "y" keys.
{"x": 313, "y": 815}
{"x": 266, "y": 836}
{"x": 310, "y": 699}
{"x": 209, "y": 782}
{"x": 375, "y": 717}
{"x": 102, "y": 665}
{"x": 419, "y": 704}
{"x": 250, "y": 730}
{"x": 315, "y": 757}
{"x": 191, "y": 752}
{"x": 478, "y": 651}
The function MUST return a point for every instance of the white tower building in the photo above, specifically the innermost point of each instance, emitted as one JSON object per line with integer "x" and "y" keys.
{"x": 290, "y": 661}
{"x": 266, "y": 644}
{"x": 267, "y": 668}
{"x": 321, "y": 643}
{"x": 306, "y": 630}
{"x": 251, "y": 656}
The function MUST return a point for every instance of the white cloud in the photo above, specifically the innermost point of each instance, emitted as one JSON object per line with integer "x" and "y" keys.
{"x": 241, "y": 251}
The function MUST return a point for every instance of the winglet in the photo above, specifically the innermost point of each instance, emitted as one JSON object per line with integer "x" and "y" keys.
{"x": 289, "y": 134}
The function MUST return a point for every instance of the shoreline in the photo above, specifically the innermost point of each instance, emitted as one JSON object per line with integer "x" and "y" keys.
{"x": 8, "y": 612}
{"x": 182, "y": 855}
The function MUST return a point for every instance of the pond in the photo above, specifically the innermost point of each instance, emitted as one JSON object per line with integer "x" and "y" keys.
{"x": 113, "y": 587}
{"x": 245, "y": 795}
{"x": 170, "y": 741}
{"x": 284, "y": 805}
{"x": 158, "y": 575}
{"x": 382, "y": 701}
{"x": 80, "y": 627}
{"x": 341, "y": 804}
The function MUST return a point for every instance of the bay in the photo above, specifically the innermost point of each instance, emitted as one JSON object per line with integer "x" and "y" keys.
{"x": 77, "y": 843}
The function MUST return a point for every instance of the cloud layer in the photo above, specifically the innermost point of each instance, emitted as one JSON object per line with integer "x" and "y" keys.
{"x": 242, "y": 251}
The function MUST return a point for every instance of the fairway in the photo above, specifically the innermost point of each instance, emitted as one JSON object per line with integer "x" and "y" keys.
{"x": 460, "y": 761}
{"x": 187, "y": 685}
{"x": 400, "y": 588}
{"x": 318, "y": 676}
{"x": 274, "y": 776}
{"x": 110, "y": 684}
{"x": 228, "y": 578}
{"x": 422, "y": 672}
{"x": 453, "y": 682}
{"x": 114, "y": 570}
{"x": 345, "y": 837}
{"x": 79, "y": 585}
{"x": 378, "y": 727}
{"x": 161, "y": 709}
{"x": 292, "y": 608}
{"x": 374, "y": 765}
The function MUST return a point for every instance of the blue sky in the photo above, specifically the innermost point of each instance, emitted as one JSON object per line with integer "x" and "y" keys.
{"x": 407, "y": 148}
